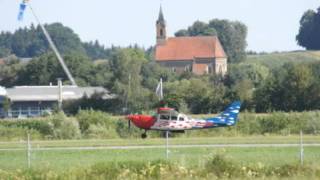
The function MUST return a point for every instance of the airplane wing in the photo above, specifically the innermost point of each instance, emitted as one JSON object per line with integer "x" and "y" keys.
{"x": 228, "y": 117}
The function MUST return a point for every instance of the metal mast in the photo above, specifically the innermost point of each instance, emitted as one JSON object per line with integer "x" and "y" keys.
{"x": 54, "y": 48}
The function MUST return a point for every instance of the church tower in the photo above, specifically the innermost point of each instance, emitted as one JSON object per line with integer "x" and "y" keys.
{"x": 161, "y": 29}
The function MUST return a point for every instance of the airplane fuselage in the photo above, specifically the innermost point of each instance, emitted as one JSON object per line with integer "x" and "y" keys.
{"x": 167, "y": 119}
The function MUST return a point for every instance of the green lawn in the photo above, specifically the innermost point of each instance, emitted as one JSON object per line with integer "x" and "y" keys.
{"x": 188, "y": 157}
{"x": 200, "y": 140}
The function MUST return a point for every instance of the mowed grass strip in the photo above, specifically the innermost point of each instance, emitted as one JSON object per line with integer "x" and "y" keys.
{"x": 159, "y": 141}
{"x": 189, "y": 157}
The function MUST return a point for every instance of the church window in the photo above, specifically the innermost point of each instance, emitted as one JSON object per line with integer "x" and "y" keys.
{"x": 187, "y": 68}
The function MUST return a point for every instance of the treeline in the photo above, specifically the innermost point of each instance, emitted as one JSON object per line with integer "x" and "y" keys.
{"x": 133, "y": 77}
{"x": 88, "y": 124}
{"x": 30, "y": 42}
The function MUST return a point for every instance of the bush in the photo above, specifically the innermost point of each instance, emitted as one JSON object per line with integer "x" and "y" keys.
{"x": 222, "y": 167}
{"x": 65, "y": 128}
{"x": 18, "y": 133}
{"x": 96, "y": 132}
{"x": 41, "y": 125}
{"x": 103, "y": 125}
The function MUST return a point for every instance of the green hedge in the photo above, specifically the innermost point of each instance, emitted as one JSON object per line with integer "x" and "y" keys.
{"x": 97, "y": 125}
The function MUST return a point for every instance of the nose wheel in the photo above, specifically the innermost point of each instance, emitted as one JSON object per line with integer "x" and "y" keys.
{"x": 144, "y": 135}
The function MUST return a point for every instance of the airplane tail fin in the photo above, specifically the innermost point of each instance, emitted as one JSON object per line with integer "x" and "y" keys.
{"x": 229, "y": 116}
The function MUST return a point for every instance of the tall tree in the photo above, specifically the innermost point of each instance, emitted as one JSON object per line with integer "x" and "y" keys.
{"x": 309, "y": 36}
{"x": 126, "y": 65}
{"x": 46, "y": 69}
{"x": 232, "y": 35}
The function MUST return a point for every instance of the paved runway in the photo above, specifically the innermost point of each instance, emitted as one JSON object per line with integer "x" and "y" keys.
{"x": 161, "y": 146}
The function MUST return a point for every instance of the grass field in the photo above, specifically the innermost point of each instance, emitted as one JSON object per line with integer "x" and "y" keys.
{"x": 188, "y": 157}
{"x": 158, "y": 141}
{"x": 277, "y": 59}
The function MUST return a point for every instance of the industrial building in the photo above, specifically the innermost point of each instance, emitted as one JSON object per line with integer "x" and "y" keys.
{"x": 34, "y": 101}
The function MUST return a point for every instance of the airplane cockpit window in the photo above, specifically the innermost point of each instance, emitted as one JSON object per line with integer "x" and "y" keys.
{"x": 164, "y": 117}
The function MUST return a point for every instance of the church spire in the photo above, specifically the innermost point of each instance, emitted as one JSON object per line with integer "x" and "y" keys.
{"x": 161, "y": 18}
{"x": 161, "y": 28}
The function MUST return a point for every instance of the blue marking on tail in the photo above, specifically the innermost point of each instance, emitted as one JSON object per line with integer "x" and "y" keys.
{"x": 228, "y": 117}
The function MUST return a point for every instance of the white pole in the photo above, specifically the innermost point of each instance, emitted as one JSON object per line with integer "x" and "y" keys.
{"x": 167, "y": 145}
{"x": 60, "y": 98}
{"x": 54, "y": 48}
{"x": 301, "y": 147}
{"x": 161, "y": 92}
{"x": 28, "y": 150}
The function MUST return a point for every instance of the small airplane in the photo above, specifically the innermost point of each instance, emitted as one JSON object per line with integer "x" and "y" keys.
{"x": 168, "y": 119}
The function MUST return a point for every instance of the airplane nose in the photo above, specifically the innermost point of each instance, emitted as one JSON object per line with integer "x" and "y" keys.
{"x": 132, "y": 118}
{"x": 141, "y": 121}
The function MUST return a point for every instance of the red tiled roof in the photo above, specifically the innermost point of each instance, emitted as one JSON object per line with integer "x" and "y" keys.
{"x": 188, "y": 48}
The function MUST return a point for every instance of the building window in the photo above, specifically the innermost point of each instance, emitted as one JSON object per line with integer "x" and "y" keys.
{"x": 161, "y": 32}
{"x": 206, "y": 70}
{"x": 187, "y": 68}
{"x": 220, "y": 69}
{"x": 210, "y": 69}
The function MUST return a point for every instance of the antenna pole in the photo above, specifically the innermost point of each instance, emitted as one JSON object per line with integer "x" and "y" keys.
{"x": 54, "y": 48}
{"x": 167, "y": 144}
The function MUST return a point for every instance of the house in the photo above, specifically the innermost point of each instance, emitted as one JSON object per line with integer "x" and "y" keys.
{"x": 33, "y": 101}
{"x": 200, "y": 54}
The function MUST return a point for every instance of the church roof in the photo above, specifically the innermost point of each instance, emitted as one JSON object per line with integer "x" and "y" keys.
{"x": 189, "y": 48}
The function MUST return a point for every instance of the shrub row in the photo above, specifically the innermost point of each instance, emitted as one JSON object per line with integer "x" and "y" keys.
{"x": 218, "y": 167}
{"x": 96, "y": 124}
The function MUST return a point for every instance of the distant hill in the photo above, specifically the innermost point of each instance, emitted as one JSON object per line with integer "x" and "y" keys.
{"x": 30, "y": 42}
{"x": 273, "y": 60}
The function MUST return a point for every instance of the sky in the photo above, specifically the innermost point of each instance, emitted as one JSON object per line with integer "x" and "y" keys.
{"x": 272, "y": 24}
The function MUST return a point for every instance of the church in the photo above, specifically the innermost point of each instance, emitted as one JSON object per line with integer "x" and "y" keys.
{"x": 199, "y": 54}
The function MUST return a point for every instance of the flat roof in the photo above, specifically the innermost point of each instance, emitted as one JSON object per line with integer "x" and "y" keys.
{"x": 51, "y": 93}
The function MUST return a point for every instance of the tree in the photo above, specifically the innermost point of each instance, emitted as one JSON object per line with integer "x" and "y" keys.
{"x": 255, "y": 72}
{"x": 46, "y": 69}
{"x": 126, "y": 66}
{"x": 4, "y": 52}
{"x": 308, "y": 35}
{"x": 96, "y": 51}
{"x": 9, "y": 71}
{"x": 232, "y": 35}
{"x": 31, "y": 42}
{"x": 290, "y": 88}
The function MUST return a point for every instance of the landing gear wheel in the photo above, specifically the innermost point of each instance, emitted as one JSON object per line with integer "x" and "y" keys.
{"x": 144, "y": 135}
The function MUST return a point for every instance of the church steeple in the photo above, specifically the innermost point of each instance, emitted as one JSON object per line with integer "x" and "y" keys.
{"x": 161, "y": 29}
{"x": 161, "y": 18}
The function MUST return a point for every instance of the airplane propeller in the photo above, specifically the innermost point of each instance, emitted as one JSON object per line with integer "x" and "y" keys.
{"x": 129, "y": 124}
